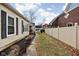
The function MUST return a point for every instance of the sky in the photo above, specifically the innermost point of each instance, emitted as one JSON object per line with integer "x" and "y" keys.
{"x": 44, "y": 12}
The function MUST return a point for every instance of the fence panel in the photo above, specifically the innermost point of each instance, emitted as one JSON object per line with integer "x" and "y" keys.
{"x": 55, "y": 33}
{"x": 78, "y": 38}
{"x": 68, "y": 35}
{"x": 48, "y": 31}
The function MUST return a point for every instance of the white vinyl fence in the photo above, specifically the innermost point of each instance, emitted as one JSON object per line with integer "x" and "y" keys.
{"x": 68, "y": 35}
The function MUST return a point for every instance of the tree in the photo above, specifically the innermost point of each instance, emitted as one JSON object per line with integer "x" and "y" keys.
{"x": 31, "y": 14}
{"x": 32, "y": 18}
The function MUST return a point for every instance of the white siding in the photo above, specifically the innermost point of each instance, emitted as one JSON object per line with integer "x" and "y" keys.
{"x": 8, "y": 41}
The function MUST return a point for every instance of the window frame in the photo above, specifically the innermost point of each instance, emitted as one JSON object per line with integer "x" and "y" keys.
{"x": 9, "y": 15}
{"x": 69, "y": 23}
{"x": 25, "y": 26}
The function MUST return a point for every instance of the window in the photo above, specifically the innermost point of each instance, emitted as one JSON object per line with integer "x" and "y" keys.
{"x": 10, "y": 25}
{"x": 25, "y": 26}
{"x": 69, "y": 24}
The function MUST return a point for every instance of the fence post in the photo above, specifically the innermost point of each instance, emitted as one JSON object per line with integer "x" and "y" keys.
{"x": 76, "y": 25}
{"x": 58, "y": 32}
{"x": 52, "y": 31}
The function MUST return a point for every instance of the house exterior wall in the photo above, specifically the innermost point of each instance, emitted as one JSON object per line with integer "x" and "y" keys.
{"x": 12, "y": 38}
{"x": 73, "y": 18}
{"x": 55, "y": 23}
{"x": 62, "y": 21}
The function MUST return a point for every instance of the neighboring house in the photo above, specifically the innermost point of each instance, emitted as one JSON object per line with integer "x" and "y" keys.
{"x": 38, "y": 28}
{"x": 45, "y": 26}
{"x": 69, "y": 17}
{"x": 54, "y": 22}
{"x": 13, "y": 26}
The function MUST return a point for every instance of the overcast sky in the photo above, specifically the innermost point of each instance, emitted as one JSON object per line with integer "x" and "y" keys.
{"x": 45, "y": 12}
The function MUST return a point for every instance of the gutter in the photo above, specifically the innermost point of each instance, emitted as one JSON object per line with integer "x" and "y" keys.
{"x": 14, "y": 10}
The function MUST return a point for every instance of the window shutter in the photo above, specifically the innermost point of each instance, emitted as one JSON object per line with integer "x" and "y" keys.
{"x": 22, "y": 27}
{"x": 16, "y": 26}
{"x": 3, "y": 24}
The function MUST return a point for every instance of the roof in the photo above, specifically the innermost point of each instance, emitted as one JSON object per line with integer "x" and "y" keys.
{"x": 14, "y": 10}
{"x": 56, "y": 18}
{"x": 71, "y": 6}
{"x": 52, "y": 21}
{"x": 65, "y": 11}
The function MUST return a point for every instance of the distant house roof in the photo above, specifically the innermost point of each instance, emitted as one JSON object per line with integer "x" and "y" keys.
{"x": 14, "y": 10}
{"x": 71, "y": 6}
{"x": 56, "y": 18}
{"x": 52, "y": 21}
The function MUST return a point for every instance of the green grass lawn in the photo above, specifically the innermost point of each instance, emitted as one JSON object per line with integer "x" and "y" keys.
{"x": 48, "y": 46}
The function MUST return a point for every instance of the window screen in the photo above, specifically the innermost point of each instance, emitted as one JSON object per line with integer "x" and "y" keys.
{"x": 10, "y": 25}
